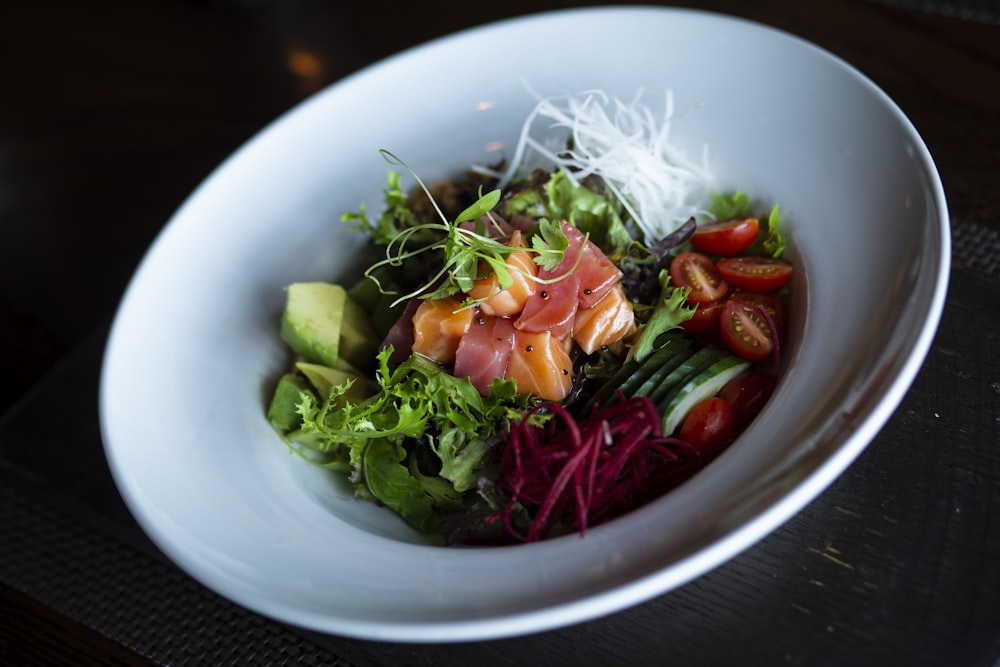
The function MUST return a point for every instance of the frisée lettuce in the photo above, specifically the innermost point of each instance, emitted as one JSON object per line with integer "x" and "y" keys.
{"x": 450, "y": 430}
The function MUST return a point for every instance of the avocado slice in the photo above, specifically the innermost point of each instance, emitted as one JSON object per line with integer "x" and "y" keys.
{"x": 324, "y": 378}
{"x": 381, "y": 307}
{"x": 323, "y": 324}
{"x": 282, "y": 413}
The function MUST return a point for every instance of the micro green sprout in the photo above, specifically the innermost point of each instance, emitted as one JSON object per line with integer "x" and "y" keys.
{"x": 470, "y": 254}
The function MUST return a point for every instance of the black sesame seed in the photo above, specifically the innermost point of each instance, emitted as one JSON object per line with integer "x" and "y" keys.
{"x": 588, "y": 291}
{"x": 545, "y": 295}
{"x": 527, "y": 349}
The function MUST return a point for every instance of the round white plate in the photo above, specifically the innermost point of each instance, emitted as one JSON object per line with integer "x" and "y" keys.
{"x": 194, "y": 349}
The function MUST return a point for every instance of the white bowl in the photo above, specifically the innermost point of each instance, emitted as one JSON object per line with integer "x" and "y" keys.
{"x": 195, "y": 344}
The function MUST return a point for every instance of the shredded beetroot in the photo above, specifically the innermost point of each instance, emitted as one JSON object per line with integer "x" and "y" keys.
{"x": 583, "y": 472}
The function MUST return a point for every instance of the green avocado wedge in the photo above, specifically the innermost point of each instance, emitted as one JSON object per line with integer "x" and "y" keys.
{"x": 322, "y": 324}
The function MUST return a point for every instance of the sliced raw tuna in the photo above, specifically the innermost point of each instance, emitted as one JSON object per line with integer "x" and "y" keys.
{"x": 484, "y": 351}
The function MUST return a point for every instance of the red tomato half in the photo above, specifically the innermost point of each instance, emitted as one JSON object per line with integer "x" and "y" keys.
{"x": 726, "y": 237}
{"x": 760, "y": 274}
{"x": 708, "y": 425}
{"x": 698, "y": 273}
{"x": 776, "y": 310}
{"x": 706, "y": 318}
{"x": 746, "y": 394}
{"x": 745, "y": 331}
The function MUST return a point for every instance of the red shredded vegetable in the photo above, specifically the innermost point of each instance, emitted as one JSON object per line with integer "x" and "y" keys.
{"x": 584, "y": 472}
{"x": 776, "y": 352}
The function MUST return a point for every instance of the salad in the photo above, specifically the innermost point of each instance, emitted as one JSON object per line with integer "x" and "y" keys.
{"x": 540, "y": 346}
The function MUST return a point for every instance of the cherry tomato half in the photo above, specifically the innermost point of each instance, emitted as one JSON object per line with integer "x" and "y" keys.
{"x": 746, "y": 331}
{"x": 776, "y": 310}
{"x": 759, "y": 274}
{"x": 746, "y": 394}
{"x": 698, "y": 273}
{"x": 726, "y": 237}
{"x": 708, "y": 425}
{"x": 705, "y": 319}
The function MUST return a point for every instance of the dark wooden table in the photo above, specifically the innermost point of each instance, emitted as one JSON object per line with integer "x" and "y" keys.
{"x": 112, "y": 111}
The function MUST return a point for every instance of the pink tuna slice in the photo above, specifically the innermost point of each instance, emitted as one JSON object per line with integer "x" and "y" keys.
{"x": 595, "y": 272}
{"x": 400, "y": 336}
{"x": 484, "y": 351}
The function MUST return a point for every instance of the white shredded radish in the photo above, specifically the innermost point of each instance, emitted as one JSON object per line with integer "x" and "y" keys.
{"x": 624, "y": 144}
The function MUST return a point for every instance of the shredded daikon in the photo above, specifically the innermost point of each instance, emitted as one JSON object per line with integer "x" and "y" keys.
{"x": 625, "y": 145}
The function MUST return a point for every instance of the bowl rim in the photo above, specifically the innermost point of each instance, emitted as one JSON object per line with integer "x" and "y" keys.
{"x": 640, "y": 589}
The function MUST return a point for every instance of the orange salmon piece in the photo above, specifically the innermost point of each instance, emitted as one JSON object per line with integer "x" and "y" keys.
{"x": 607, "y": 321}
{"x": 540, "y": 365}
{"x": 438, "y": 327}
{"x": 522, "y": 269}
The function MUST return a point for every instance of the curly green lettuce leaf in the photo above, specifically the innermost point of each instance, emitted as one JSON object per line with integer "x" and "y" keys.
{"x": 466, "y": 439}
{"x": 416, "y": 401}
{"x": 467, "y": 448}
{"x": 670, "y": 312}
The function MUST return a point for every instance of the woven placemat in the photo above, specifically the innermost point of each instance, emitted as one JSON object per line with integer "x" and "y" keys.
{"x": 976, "y": 248}
{"x": 132, "y": 596}
{"x": 67, "y": 541}
{"x": 983, "y": 11}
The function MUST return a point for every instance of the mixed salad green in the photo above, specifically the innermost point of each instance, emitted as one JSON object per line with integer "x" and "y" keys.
{"x": 543, "y": 346}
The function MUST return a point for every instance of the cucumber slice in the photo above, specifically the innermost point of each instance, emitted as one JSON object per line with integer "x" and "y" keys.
{"x": 607, "y": 389}
{"x": 706, "y": 384}
{"x": 631, "y": 365}
{"x": 661, "y": 377}
{"x": 695, "y": 364}
{"x": 643, "y": 372}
